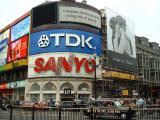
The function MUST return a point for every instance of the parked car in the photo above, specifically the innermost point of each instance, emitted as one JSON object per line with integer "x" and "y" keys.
{"x": 106, "y": 109}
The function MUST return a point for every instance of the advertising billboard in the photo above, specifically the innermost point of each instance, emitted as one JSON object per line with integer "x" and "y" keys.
{"x": 79, "y": 15}
{"x": 19, "y": 48}
{"x": 4, "y": 38}
{"x": 65, "y": 40}
{"x": 63, "y": 64}
{"x": 120, "y": 42}
{"x": 20, "y": 29}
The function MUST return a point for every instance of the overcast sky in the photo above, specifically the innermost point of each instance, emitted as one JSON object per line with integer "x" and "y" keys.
{"x": 144, "y": 13}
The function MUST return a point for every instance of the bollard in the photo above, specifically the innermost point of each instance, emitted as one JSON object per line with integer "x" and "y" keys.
{"x": 91, "y": 114}
{"x": 11, "y": 111}
{"x": 60, "y": 110}
{"x": 33, "y": 109}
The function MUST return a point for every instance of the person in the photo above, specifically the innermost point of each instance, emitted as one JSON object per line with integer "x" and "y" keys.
{"x": 141, "y": 102}
{"x": 121, "y": 42}
{"x": 158, "y": 101}
{"x": 132, "y": 104}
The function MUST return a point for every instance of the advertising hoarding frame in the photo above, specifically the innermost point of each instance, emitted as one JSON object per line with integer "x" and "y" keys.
{"x": 121, "y": 49}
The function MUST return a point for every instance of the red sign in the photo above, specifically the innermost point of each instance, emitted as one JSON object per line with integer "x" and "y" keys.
{"x": 19, "y": 48}
{"x": 3, "y": 86}
{"x": 66, "y": 65}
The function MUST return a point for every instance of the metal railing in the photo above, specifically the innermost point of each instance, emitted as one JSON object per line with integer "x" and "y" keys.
{"x": 59, "y": 113}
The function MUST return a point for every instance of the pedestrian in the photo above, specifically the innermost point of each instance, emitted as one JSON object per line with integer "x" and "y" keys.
{"x": 140, "y": 102}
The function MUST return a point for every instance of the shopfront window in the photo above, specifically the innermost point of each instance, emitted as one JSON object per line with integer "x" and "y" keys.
{"x": 34, "y": 97}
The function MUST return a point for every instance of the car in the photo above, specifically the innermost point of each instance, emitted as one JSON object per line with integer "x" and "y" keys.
{"x": 106, "y": 109}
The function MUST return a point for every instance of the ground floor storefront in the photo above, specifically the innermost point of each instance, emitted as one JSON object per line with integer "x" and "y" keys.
{"x": 58, "y": 89}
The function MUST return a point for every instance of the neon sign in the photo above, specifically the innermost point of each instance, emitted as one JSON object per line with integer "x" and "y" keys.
{"x": 51, "y": 65}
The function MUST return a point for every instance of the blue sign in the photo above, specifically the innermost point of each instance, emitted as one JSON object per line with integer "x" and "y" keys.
{"x": 20, "y": 29}
{"x": 65, "y": 40}
{"x": 3, "y": 44}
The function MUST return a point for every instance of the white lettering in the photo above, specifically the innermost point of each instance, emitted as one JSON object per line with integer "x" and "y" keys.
{"x": 57, "y": 36}
{"x": 73, "y": 40}
{"x": 76, "y": 37}
{"x": 86, "y": 42}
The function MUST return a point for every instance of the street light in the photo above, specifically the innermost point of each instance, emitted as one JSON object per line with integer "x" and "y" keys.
{"x": 95, "y": 77}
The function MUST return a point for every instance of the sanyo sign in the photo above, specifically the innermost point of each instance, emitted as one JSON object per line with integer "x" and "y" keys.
{"x": 65, "y": 40}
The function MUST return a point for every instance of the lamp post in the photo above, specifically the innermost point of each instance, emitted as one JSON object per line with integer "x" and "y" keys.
{"x": 95, "y": 76}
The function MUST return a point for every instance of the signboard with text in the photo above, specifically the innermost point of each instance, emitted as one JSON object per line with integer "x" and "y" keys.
{"x": 63, "y": 64}
{"x": 120, "y": 42}
{"x": 79, "y": 15}
{"x": 19, "y": 48}
{"x": 65, "y": 40}
{"x": 4, "y": 39}
{"x": 20, "y": 29}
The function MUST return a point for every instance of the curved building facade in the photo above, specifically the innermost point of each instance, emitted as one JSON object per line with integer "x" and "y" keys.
{"x": 62, "y": 42}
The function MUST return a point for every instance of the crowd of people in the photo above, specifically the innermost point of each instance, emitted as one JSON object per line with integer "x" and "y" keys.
{"x": 141, "y": 102}
{"x": 138, "y": 102}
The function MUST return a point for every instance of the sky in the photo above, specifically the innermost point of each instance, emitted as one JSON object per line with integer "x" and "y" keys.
{"x": 144, "y": 13}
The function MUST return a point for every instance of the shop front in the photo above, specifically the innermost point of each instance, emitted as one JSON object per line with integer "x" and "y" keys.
{"x": 18, "y": 88}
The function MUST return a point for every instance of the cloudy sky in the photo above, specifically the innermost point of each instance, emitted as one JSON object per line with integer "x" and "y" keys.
{"x": 144, "y": 13}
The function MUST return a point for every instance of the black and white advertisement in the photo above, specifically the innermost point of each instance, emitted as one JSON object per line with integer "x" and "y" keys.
{"x": 120, "y": 42}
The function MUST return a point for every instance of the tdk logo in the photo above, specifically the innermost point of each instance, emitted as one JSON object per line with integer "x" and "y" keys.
{"x": 43, "y": 41}
{"x": 71, "y": 40}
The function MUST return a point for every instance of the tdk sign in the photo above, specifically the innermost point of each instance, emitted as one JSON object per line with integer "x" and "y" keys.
{"x": 65, "y": 40}
{"x": 79, "y": 40}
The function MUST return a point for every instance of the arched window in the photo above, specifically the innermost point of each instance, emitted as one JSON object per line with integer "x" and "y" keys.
{"x": 67, "y": 85}
{"x": 35, "y": 87}
{"x": 49, "y": 87}
{"x": 83, "y": 87}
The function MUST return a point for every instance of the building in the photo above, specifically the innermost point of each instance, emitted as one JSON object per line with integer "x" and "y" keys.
{"x": 48, "y": 53}
{"x": 148, "y": 57}
{"x": 120, "y": 75}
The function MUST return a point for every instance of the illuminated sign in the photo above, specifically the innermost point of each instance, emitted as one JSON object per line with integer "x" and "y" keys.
{"x": 19, "y": 48}
{"x": 65, "y": 40}
{"x": 3, "y": 44}
{"x": 3, "y": 86}
{"x": 63, "y": 64}
{"x": 1, "y": 68}
{"x": 125, "y": 92}
{"x": 18, "y": 63}
{"x": 20, "y": 29}
{"x": 66, "y": 65}
{"x": 67, "y": 91}
{"x": 3, "y": 61}
{"x": 16, "y": 84}
{"x": 3, "y": 47}
{"x": 8, "y": 66}
{"x": 115, "y": 74}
